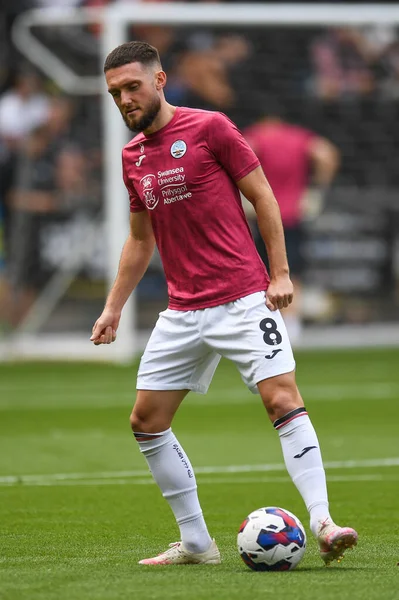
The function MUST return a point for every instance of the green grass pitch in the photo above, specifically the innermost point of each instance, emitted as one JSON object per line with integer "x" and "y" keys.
{"x": 78, "y": 508}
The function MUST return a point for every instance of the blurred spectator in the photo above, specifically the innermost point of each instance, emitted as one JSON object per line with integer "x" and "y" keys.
{"x": 31, "y": 199}
{"x": 206, "y": 70}
{"x": 59, "y": 123}
{"x": 23, "y": 107}
{"x": 389, "y": 63}
{"x": 300, "y": 166}
{"x": 205, "y": 75}
{"x": 170, "y": 45}
{"x": 51, "y": 177}
{"x": 342, "y": 65}
{"x": 76, "y": 189}
{"x": 378, "y": 38}
{"x": 76, "y": 155}
{"x": 382, "y": 46}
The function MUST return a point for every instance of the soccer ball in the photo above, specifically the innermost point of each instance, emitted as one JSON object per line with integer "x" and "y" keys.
{"x": 271, "y": 539}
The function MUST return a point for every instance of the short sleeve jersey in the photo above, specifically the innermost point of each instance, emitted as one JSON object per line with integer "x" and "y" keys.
{"x": 185, "y": 176}
{"x": 283, "y": 151}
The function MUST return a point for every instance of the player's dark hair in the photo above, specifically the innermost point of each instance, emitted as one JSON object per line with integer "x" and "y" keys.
{"x": 132, "y": 52}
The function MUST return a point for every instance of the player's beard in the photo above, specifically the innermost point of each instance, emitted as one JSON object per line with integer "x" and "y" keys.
{"x": 147, "y": 117}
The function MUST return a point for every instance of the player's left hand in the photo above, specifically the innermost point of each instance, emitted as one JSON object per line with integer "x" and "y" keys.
{"x": 279, "y": 293}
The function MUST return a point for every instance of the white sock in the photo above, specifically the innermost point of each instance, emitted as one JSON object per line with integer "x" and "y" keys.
{"x": 174, "y": 475}
{"x": 303, "y": 460}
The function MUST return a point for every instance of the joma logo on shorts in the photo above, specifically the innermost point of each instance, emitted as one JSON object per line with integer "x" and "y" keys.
{"x": 273, "y": 354}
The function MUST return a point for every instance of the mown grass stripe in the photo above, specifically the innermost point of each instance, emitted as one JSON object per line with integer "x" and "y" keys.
{"x": 207, "y": 470}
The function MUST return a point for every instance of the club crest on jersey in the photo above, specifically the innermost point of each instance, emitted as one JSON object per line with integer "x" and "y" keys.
{"x": 147, "y": 183}
{"x": 178, "y": 149}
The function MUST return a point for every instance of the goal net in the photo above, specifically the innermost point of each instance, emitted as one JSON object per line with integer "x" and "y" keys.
{"x": 330, "y": 69}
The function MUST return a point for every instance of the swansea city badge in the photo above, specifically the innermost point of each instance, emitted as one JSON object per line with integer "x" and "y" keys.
{"x": 178, "y": 149}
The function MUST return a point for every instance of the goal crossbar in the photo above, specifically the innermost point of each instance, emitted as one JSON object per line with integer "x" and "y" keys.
{"x": 115, "y": 17}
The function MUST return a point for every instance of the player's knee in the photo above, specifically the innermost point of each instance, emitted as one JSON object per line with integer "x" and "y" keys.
{"x": 281, "y": 403}
{"x": 280, "y": 400}
{"x": 139, "y": 422}
{"x": 143, "y": 422}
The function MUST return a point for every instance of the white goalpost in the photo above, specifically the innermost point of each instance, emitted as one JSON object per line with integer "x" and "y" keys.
{"x": 114, "y": 20}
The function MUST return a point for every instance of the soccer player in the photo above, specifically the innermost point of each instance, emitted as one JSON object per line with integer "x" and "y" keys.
{"x": 184, "y": 172}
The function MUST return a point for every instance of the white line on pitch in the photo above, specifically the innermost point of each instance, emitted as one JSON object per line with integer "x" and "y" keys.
{"x": 211, "y": 470}
{"x": 206, "y": 481}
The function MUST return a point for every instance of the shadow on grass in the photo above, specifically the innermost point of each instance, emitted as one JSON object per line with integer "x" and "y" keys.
{"x": 306, "y": 570}
{"x": 225, "y": 569}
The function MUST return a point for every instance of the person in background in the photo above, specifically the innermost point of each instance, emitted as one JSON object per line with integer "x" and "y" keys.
{"x": 50, "y": 178}
{"x": 300, "y": 166}
{"x": 24, "y": 107}
{"x": 32, "y": 199}
{"x": 342, "y": 64}
{"x": 206, "y": 67}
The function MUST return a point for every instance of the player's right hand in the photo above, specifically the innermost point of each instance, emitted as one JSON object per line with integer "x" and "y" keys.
{"x": 104, "y": 330}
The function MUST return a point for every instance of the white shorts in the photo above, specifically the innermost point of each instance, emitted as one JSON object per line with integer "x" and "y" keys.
{"x": 185, "y": 347}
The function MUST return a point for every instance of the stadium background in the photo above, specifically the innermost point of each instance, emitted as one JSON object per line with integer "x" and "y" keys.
{"x": 52, "y": 185}
{"x": 77, "y": 508}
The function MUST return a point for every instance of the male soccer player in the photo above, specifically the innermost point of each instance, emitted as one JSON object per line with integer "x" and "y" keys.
{"x": 184, "y": 172}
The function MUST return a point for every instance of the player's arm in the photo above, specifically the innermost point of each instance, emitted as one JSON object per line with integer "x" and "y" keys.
{"x": 324, "y": 158}
{"x": 257, "y": 190}
{"x": 135, "y": 258}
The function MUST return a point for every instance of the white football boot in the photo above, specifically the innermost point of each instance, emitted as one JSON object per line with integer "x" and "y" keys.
{"x": 178, "y": 555}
